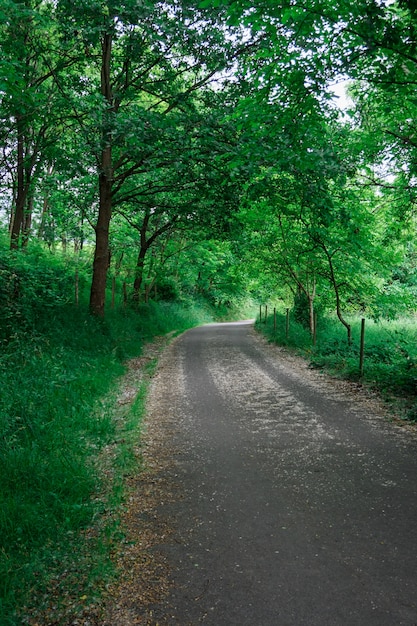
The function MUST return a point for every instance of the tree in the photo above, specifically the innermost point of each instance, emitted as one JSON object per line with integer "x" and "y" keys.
{"x": 164, "y": 113}
{"x": 193, "y": 190}
{"x": 318, "y": 226}
{"x": 31, "y": 107}
{"x": 147, "y": 62}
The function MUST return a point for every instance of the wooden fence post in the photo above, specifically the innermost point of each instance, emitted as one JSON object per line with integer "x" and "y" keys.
{"x": 314, "y": 328}
{"x": 362, "y": 347}
{"x": 260, "y": 313}
{"x": 287, "y": 324}
{"x": 275, "y": 320}
{"x": 266, "y": 313}
{"x": 77, "y": 288}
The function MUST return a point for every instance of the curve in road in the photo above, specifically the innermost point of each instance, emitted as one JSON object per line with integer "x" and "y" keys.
{"x": 292, "y": 500}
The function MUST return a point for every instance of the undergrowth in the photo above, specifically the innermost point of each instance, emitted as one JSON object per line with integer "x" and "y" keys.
{"x": 390, "y": 353}
{"x": 59, "y": 369}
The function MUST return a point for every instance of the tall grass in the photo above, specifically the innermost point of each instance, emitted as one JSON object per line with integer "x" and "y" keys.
{"x": 58, "y": 370}
{"x": 51, "y": 426}
{"x": 390, "y": 353}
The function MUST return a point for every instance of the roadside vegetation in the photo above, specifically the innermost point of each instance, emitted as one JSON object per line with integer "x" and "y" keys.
{"x": 60, "y": 488}
{"x": 389, "y": 355}
{"x": 164, "y": 164}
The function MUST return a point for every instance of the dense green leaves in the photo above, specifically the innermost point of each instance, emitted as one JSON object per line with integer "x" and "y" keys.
{"x": 156, "y": 122}
{"x": 179, "y": 151}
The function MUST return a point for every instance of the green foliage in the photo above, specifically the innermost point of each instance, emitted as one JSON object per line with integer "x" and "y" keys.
{"x": 188, "y": 151}
{"x": 32, "y": 290}
{"x": 390, "y": 354}
{"x": 58, "y": 372}
{"x": 301, "y": 309}
{"x": 52, "y": 426}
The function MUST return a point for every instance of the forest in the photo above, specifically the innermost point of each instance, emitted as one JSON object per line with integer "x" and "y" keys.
{"x": 168, "y": 163}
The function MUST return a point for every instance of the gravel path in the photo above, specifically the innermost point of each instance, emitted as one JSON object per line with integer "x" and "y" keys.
{"x": 273, "y": 496}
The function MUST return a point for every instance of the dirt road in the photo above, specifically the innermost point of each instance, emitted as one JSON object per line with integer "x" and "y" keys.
{"x": 286, "y": 497}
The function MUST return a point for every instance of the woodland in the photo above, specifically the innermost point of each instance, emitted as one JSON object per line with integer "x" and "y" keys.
{"x": 168, "y": 163}
{"x": 133, "y": 134}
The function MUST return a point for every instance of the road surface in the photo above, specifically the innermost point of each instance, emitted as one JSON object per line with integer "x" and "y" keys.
{"x": 290, "y": 498}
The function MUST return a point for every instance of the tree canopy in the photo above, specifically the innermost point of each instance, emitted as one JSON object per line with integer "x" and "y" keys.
{"x": 138, "y": 131}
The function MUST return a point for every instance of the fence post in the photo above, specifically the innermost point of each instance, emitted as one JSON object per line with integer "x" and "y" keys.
{"x": 77, "y": 288}
{"x": 314, "y": 328}
{"x": 362, "y": 347}
{"x": 266, "y": 313}
{"x": 275, "y": 320}
{"x": 260, "y": 313}
{"x": 287, "y": 324}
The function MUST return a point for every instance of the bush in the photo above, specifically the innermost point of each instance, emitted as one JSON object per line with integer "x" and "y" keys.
{"x": 301, "y": 311}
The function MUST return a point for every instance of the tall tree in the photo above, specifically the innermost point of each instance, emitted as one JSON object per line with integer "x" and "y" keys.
{"x": 194, "y": 188}
{"x": 31, "y": 107}
{"x": 316, "y": 225}
{"x": 143, "y": 64}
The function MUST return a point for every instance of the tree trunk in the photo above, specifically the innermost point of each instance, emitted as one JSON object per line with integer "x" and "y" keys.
{"x": 45, "y": 206}
{"x": 21, "y": 191}
{"x": 27, "y": 221}
{"x": 311, "y": 295}
{"x": 140, "y": 266}
{"x": 311, "y": 316}
{"x": 102, "y": 251}
{"x": 150, "y": 282}
{"x": 45, "y": 211}
{"x": 337, "y": 295}
{"x": 344, "y": 322}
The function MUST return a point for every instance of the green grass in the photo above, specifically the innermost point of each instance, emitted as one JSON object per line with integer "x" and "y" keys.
{"x": 52, "y": 425}
{"x": 66, "y": 445}
{"x": 59, "y": 370}
{"x": 390, "y": 353}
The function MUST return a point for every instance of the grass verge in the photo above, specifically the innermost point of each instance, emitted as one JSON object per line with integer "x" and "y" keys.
{"x": 66, "y": 442}
{"x": 390, "y": 354}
